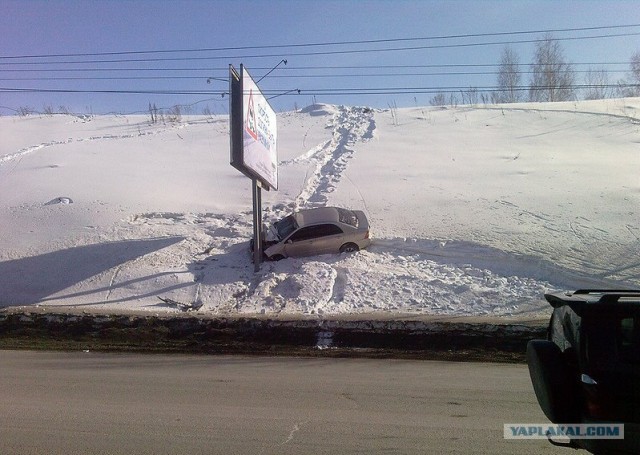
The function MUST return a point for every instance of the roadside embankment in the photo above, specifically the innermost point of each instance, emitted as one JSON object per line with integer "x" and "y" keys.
{"x": 464, "y": 339}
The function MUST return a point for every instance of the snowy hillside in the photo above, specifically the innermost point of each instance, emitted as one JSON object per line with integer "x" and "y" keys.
{"x": 474, "y": 210}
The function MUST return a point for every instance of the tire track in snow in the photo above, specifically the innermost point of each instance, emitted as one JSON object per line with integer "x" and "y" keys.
{"x": 34, "y": 148}
{"x": 25, "y": 151}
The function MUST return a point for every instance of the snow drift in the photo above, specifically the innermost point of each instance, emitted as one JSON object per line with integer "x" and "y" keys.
{"x": 474, "y": 210}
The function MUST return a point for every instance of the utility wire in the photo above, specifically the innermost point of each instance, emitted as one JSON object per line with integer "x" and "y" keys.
{"x": 301, "y": 68}
{"x": 335, "y": 43}
{"x": 9, "y": 64}
{"x": 209, "y": 71}
{"x": 288, "y": 76}
{"x": 321, "y": 91}
{"x": 322, "y": 53}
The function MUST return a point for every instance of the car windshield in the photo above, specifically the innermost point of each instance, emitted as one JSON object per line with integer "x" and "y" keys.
{"x": 285, "y": 226}
{"x": 348, "y": 217}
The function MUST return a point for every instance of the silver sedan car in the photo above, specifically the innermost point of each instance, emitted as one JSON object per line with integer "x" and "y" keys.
{"x": 317, "y": 231}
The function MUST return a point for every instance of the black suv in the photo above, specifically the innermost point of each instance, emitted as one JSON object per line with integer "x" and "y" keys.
{"x": 588, "y": 369}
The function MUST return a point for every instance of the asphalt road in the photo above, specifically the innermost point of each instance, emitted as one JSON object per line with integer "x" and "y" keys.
{"x": 92, "y": 403}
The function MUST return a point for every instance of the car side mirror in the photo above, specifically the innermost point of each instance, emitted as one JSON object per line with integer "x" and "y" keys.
{"x": 289, "y": 241}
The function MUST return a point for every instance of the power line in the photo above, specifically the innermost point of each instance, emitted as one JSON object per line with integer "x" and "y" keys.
{"x": 324, "y": 53}
{"x": 328, "y": 92}
{"x": 334, "y": 43}
{"x": 280, "y": 76}
{"x": 294, "y": 68}
{"x": 73, "y": 68}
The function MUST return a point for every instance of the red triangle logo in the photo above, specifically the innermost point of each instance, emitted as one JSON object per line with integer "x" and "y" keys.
{"x": 251, "y": 125}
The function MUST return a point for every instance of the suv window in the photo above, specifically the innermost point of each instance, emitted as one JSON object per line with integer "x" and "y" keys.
{"x": 628, "y": 334}
{"x": 612, "y": 337}
{"x": 314, "y": 232}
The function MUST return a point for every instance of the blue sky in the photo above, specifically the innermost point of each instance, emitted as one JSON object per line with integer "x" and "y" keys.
{"x": 328, "y": 73}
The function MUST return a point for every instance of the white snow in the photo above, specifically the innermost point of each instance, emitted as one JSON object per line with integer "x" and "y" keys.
{"x": 475, "y": 211}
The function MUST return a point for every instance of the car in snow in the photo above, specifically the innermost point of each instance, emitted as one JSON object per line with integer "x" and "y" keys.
{"x": 587, "y": 371}
{"x": 316, "y": 231}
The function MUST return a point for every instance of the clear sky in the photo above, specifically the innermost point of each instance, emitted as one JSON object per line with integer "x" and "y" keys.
{"x": 405, "y": 51}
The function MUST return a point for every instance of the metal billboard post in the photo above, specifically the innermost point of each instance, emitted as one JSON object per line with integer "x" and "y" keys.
{"x": 257, "y": 224}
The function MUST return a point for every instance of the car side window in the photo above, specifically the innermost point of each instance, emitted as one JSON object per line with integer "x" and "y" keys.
{"x": 305, "y": 233}
{"x": 327, "y": 229}
{"x": 314, "y": 232}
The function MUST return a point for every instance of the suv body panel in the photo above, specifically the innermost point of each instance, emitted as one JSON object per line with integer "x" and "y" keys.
{"x": 597, "y": 336}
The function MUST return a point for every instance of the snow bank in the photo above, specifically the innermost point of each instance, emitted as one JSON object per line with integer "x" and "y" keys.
{"x": 475, "y": 210}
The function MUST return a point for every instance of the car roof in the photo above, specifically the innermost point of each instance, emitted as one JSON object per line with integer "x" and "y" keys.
{"x": 314, "y": 216}
{"x": 583, "y": 298}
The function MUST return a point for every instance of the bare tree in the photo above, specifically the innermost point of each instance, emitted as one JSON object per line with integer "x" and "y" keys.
{"x": 596, "y": 84}
{"x": 635, "y": 68}
{"x": 634, "y": 89}
{"x": 508, "y": 78}
{"x": 393, "y": 108}
{"x": 438, "y": 100}
{"x": 153, "y": 112}
{"x": 470, "y": 96}
{"x": 174, "y": 115}
{"x": 23, "y": 111}
{"x": 631, "y": 86}
{"x": 552, "y": 77}
{"x": 207, "y": 111}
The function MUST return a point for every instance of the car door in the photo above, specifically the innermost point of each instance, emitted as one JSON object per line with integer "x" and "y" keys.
{"x": 329, "y": 238}
{"x": 311, "y": 240}
{"x": 301, "y": 242}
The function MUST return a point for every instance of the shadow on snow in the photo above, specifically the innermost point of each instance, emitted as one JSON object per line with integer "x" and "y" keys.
{"x": 34, "y": 279}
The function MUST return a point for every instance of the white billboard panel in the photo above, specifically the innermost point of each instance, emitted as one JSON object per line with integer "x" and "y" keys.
{"x": 259, "y": 135}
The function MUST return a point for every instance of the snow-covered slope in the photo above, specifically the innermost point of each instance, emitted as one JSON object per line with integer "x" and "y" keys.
{"x": 475, "y": 210}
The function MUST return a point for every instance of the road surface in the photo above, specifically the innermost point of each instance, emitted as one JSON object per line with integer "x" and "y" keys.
{"x": 90, "y": 403}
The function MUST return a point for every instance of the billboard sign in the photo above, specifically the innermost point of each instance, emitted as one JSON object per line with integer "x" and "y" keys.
{"x": 253, "y": 130}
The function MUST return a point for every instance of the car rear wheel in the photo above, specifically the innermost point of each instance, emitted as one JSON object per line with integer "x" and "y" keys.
{"x": 349, "y": 248}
